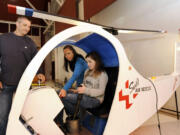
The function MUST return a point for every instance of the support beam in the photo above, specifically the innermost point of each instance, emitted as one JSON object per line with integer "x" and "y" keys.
{"x": 60, "y": 2}
{"x": 32, "y": 6}
{"x": 47, "y": 28}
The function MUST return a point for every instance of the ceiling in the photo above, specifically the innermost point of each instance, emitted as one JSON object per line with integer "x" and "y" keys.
{"x": 38, "y": 4}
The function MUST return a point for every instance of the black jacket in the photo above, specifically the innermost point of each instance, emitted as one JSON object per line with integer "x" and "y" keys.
{"x": 16, "y": 52}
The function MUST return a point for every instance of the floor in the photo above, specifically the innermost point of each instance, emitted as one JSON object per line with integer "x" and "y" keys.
{"x": 169, "y": 125}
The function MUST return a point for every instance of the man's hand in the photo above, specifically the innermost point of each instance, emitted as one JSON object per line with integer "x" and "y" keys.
{"x": 41, "y": 77}
{"x": 62, "y": 93}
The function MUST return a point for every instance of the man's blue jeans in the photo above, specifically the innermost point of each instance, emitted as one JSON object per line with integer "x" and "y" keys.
{"x": 5, "y": 102}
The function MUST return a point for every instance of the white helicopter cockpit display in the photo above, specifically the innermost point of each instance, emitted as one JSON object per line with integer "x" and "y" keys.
{"x": 132, "y": 93}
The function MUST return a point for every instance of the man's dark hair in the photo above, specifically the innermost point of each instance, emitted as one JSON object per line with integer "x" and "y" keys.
{"x": 21, "y": 17}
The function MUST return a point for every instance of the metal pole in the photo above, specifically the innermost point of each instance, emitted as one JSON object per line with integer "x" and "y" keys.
{"x": 177, "y": 110}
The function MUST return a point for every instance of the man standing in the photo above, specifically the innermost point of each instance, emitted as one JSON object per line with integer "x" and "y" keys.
{"x": 16, "y": 51}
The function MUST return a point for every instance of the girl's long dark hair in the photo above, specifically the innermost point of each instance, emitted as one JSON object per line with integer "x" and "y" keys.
{"x": 73, "y": 62}
{"x": 99, "y": 67}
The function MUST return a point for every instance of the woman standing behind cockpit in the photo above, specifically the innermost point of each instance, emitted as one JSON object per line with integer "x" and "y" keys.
{"x": 76, "y": 63}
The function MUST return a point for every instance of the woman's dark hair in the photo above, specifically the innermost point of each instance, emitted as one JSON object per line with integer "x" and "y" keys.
{"x": 73, "y": 62}
{"x": 99, "y": 67}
